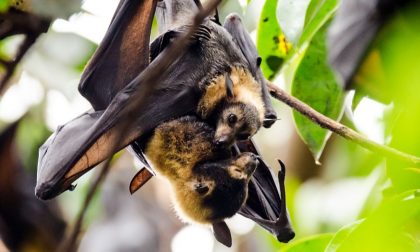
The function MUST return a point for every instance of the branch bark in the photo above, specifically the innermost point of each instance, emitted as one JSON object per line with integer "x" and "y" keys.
{"x": 17, "y": 22}
{"x": 340, "y": 129}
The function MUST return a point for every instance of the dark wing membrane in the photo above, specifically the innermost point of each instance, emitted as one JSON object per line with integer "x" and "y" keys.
{"x": 140, "y": 179}
{"x": 122, "y": 55}
{"x": 350, "y": 34}
{"x": 352, "y": 31}
{"x": 264, "y": 204}
{"x": 234, "y": 26}
{"x": 163, "y": 91}
{"x": 222, "y": 233}
{"x": 171, "y": 14}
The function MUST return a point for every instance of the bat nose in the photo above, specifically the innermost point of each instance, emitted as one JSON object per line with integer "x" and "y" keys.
{"x": 254, "y": 157}
{"x": 221, "y": 142}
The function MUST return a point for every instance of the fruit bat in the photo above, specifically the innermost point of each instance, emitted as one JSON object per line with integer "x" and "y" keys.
{"x": 353, "y": 30}
{"x": 163, "y": 90}
{"x": 175, "y": 93}
{"x": 208, "y": 183}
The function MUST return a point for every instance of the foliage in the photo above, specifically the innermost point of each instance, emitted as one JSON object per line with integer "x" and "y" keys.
{"x": 380, "y": 209}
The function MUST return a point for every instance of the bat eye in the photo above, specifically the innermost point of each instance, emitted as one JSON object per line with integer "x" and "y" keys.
{"x": 232, "y": 119}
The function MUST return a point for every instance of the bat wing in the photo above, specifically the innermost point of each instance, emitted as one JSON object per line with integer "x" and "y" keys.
{"x": 222, "y": 233}
{"x": 164, "y": 90}
{"x": 122, "y": 54}
{"x": 234, "y": 26}
{"x": 265, "y": 205}
{"x": 350, "y": 34}
{"x": 352, "y": 31}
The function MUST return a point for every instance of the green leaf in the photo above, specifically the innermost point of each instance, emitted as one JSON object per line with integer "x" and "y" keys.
{"x": 271, "y": 42}
{"x": 317, "y": 18}
{"x": 315, "y": 84}
{"x": 313, "y": 8}
{"x": 4, "y": 5}
{"x": 313, "y": 244}
{"x": 341, "y": 235}
{"x": 384, "y": 230}
{"x": 291, "y": 17}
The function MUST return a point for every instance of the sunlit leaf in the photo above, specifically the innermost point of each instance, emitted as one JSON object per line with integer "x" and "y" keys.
{"x": 316, "y": 85}
{"x": 271, "y": 42}
{"x": 291, "y": 17}
{"x": 398, "y": 48}
{"x": 318, "y": 19}
{"x": 383, "y": 230}
{"x": 312, "y": 9}
{"x": 341, "y": 235}
{"x": 314, "y": 243}
{"x": 4, "y": 5}
{"x": 370, "y": 79}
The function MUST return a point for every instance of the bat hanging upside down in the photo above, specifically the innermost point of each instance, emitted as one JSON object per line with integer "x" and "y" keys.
{"x": 208, "y": 183}
{"x": 216, "y": 78}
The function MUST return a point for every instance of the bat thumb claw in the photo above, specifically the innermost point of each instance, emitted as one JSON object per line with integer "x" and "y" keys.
{"x": 282, "y": 171}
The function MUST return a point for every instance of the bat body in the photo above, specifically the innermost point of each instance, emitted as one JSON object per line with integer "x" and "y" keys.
{"x": 217, "y": 59}
{"x": 221, "y": 75}
{"x": 209, "y": 184}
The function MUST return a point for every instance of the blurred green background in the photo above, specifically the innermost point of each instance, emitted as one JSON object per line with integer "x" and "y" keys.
{"x": 341, "y": 197}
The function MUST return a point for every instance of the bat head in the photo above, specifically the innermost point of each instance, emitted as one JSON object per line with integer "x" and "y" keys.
{"x": 236, "y": 121}
{"x": 216, "y": 190}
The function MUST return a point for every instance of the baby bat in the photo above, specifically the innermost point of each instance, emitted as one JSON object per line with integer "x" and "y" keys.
{"x": 230, "y": 97}
{"x": 209, "y": 184}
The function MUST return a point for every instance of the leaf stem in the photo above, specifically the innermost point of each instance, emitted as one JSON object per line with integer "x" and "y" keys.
{"x": 340, "y": 129}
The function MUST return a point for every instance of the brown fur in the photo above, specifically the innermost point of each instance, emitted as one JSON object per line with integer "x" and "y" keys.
{"x": 245, "y": 89}
{"x": 182, "y": 151}
{"x": 245, "y": 102}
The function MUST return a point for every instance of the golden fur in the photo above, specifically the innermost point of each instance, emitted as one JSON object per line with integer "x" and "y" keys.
{"x": 182, "y": 151}
{"x": 245, "y": 89}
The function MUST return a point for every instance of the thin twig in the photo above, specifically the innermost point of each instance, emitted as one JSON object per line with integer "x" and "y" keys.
{"x": 150, "y": 75}
{"x": 17, "y": 22}
{"x": 339, "y": 128}
{"x": 72, "y": 240}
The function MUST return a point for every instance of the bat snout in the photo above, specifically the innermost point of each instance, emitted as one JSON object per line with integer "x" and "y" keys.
{"x": 223, "y": 140}
{"x": 249, "y": 162}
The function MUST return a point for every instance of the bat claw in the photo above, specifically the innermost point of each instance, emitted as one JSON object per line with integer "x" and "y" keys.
{"x": 72, "y": 187}
{"x": 282, "y": 171}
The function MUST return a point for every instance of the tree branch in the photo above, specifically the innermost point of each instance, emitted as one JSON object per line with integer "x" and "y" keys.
{"x": 17, "y": 22}
{"x": 71, "y": 242}
{"x": 340, "y": 129}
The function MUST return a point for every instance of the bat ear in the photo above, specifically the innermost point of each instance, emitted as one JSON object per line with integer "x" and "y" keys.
{"x": 229, "y": 85}
{"x": 222, "y": 233}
